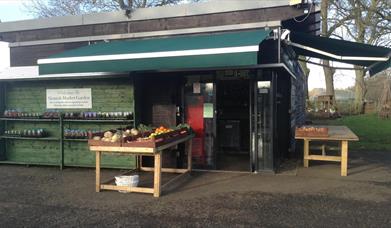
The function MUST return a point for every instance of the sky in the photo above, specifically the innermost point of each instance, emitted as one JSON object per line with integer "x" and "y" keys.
{"x": 12, "y": 10}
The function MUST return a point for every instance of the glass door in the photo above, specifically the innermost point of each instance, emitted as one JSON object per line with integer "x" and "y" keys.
{"x": 262, "y": 122}
{"x": 200, "y": 102}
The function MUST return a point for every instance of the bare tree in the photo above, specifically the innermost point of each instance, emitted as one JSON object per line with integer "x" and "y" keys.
{"x": 328, "y": 71}
{"x": 331, "y": 22}
{"x": 306, "y": 71}
{"x": 51, "y": 8}
{"x": 368, "y": 21}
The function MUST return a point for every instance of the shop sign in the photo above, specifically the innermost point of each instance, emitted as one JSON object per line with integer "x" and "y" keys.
{"x": 68, "y": 98}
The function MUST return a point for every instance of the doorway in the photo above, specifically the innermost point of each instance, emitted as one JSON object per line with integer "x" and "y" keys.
{"x": 233, "y": 125}
{"x": 234, "y": 120}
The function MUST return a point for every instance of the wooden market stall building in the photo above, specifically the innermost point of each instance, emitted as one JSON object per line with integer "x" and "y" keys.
{"x": 230, "y": 71}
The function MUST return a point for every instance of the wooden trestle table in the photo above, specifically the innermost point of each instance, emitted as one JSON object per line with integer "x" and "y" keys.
{"x": 139, "y": 152}
{"x": 341, "y": 134}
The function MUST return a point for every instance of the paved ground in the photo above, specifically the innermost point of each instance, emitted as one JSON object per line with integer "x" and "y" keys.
{"x": 313, "y": 197}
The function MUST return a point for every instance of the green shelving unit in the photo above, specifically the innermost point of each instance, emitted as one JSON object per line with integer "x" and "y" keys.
{"x": 75, "y": 140}
{"x": 98, "y": 121}
{"x": 79, "y": 157}
{"x": 27, "y": 152}
{"x": 26, "y": 163}
{"x": 29, "y": 119}
{"x": 30, "y": 138}
{"x": 76, "y": 151}
{"x": 114, "y": 94}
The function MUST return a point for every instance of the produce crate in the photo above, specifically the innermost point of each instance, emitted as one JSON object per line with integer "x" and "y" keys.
{"x": 131, "y": 141}
{"x": 157, "y": 141}
{"x": 92, "y": 142}
{"x": 312, "y": 132}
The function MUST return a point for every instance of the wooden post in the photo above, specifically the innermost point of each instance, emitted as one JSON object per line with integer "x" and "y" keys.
{"x": 189, "y": 154}
{"x": 138, "y": 167}
{"x": 323, "y": 150}
{"x": 157, "y": 174}
{"x": 306, "y": 152}
{"x": 344, "y": 158}
{"x": 140, "y": 162}
{"x": 97, "y": 171}
{"x": 340, "y": 147}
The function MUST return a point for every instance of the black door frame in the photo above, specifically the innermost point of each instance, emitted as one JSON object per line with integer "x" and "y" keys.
{"x": 262, "y": 159}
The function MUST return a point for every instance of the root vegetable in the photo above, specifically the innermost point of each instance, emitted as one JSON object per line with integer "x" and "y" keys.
{"x": 108, "y": 134}
{"x": 96, "y": 138}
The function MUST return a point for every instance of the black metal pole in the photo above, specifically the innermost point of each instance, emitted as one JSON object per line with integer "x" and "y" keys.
{"x": 279, "y": 45}
{"x": 256, "y": 124}
{"x": 251, "y": 116}
{"x": 273, "y": 115}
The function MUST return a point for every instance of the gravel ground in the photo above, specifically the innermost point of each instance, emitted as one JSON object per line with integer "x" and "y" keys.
{"x": 313, "y": 197}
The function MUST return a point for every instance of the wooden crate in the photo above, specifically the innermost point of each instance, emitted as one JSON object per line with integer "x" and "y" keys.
{"x": 158, "y": 140}
{"x": 92, "y": 142}
{"x": 150, "y": 143}
{"x": 312, "y": 132}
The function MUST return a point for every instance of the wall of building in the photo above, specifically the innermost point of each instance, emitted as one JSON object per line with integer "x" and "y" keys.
{"x": 298, "y": 108}
{"x": 160, "y": 24}
{"x": 108, "y": 95}
{"x": 28, "y": 55}
{"x": 27, "y": 46}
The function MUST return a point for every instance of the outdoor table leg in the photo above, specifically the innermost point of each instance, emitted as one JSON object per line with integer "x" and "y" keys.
{"x": 138, "y": 166}
{"x": 157, "y": 174}
{"x": 97, "y": 171}
{"x": 323, "y": 150}
{"x": 344, "y": 158}
{"x": 306, "y": 152}
{"x": 189, "y": 157}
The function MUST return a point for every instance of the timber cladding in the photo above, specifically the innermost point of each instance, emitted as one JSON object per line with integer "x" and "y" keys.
{"x": 108, "y": 95}
{"x": 28, "y": 55}
{"x": 216, "y": 19}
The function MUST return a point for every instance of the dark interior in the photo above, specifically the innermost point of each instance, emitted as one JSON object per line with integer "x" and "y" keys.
{"x": 233, "y": 125}
{"x": 158, "y": 99}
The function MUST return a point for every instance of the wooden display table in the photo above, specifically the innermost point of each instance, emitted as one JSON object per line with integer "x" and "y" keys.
{"x": 341, "y": 134}
{"x": 139, "y": 152}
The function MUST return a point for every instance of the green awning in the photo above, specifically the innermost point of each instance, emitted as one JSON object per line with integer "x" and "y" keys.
{"x": 232, "y": 49}
{"x": 374, "y": 58}
{"x": 379, "y": 67}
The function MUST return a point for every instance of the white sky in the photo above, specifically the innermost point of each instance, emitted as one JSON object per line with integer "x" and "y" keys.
{"x": 342, "y": 78}
{"x": 11, "y": 10}
{"x": 4, "y": 55}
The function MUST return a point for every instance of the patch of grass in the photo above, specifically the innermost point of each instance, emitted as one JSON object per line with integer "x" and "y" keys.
{"x": 374, "y": 132}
